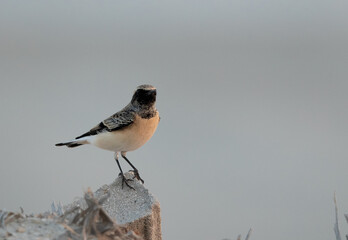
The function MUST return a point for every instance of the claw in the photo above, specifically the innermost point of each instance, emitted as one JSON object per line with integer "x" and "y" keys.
{"x": 125, "y": 181}
{"x": 137, "y": 176}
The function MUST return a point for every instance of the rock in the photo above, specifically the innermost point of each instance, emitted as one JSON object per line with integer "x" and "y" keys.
{"x": 137, "y": 209}
{"x": 20, "y": 230}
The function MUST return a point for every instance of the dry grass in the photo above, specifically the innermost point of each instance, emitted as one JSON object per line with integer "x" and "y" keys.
{"x": 91, "y": 223}
{"x": 336, "y": 227}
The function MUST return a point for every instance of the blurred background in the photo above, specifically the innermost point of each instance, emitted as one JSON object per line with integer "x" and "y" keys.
{"x": 252, "y": 96}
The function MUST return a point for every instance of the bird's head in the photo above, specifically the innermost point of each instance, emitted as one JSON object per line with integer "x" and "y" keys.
{"x": 144, "y": 96}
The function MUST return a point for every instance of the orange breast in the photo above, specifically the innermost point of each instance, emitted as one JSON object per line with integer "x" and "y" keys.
{"x": 129, "y": 138}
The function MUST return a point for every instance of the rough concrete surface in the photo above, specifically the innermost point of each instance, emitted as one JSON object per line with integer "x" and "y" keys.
{"x": 110, "y": 213}
{"x": 32, "y": 228}
{"x": 137, "y": 210}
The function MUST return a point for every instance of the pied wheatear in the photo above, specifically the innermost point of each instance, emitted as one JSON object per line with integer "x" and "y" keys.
{"x": 126, "y": 130}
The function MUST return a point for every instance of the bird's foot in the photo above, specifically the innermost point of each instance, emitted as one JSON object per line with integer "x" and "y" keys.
{"x": 137, "y": 176}
{"x": 125, "y": 181}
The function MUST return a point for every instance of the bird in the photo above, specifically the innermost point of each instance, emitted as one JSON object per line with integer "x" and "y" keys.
{"x": 126, "y": 130}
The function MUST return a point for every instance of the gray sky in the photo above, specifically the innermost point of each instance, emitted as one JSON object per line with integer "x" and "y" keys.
{"x": 252, "y": 96}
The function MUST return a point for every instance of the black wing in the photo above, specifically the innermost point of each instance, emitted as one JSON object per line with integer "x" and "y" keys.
{"x": 117, "y": 121}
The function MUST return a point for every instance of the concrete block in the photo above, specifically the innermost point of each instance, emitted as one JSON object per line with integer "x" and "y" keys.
{"x": 137, "y": 210}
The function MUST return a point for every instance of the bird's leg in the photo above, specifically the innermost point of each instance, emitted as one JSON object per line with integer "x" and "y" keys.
{"x": 124, "y": 180}
{"x": 136, "y": 172}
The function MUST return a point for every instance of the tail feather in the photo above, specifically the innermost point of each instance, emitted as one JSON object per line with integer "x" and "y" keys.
{"x": 72, "y": 144}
